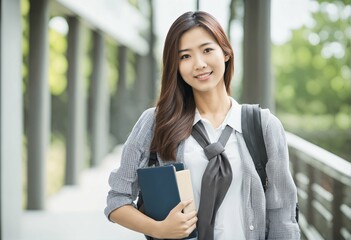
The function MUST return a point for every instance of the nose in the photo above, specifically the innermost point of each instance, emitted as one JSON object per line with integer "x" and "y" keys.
{"x": 199, "y": 63}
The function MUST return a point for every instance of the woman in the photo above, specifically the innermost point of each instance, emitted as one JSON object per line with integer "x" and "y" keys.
{"x": 198, "y": 66}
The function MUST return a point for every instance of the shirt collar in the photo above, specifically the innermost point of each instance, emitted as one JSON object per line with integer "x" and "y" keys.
{"x": 233, "y": 118}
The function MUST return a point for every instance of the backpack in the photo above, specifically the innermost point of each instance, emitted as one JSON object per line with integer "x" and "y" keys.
{"x": 253, "y": 136}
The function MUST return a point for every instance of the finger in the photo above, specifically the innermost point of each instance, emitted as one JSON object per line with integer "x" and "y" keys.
{"x": 187, "y": 202}
{"x": 192, "y": 227}
{"x": 182, "y": 205}
{"x": 190, "y": 215}
{"x": 192, "y": 221}
{"x": 190, "y": 230}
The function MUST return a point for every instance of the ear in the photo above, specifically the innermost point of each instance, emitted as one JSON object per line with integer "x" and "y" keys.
{"x": 226, "y": 57}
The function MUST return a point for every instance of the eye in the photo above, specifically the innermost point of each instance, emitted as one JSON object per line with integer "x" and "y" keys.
{"x": 207, "y": 50}
{"x": 185, "y": 56}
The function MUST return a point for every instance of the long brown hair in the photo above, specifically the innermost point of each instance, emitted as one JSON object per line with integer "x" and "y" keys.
{"x": 175, "y": 109}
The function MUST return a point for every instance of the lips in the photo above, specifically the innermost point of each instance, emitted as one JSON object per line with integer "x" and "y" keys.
{"x": 203, "y": 76}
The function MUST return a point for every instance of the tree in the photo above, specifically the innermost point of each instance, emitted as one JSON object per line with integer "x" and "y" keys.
{"x": 313, "y": 69}
{"x": 313, "y": 72}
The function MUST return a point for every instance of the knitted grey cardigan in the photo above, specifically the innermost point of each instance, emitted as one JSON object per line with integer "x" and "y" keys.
{"x": 267, "y": 215}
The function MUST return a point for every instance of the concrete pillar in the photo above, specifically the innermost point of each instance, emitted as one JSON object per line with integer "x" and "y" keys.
{"x": 146, "y": 67}
{"x": 76, "y": 105}
{"x": 142, "y": 82}
{"x": 11, "y": 119}
{"x": 122, "y": 106}
{"x": 99, "y": 102}
{"x": 39, "y": 103}
{"x": 151, "y": 56}
{"x": 257, "y": 81}
{"x": 122, "y": 71}
{"x": 146, "y": 82}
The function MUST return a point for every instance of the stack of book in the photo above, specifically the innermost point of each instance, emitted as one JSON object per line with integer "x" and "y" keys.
{"x": 163, "y": 188}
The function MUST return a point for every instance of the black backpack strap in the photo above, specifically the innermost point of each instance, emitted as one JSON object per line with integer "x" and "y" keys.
{"x": 253, "y": 136}
{"x": 153, "y": 161}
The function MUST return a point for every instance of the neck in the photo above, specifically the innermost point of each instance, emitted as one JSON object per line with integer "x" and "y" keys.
{"x": 213, "y": 106}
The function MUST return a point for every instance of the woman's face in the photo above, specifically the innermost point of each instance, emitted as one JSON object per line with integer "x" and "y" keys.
{"x": 201, "y": 61}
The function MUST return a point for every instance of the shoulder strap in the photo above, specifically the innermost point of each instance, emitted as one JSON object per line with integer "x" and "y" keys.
{"x": 153, "y": 161}
{"x": 253, "y": 136}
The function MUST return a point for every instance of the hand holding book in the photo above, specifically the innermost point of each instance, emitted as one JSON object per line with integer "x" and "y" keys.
{"x": 167, "y": 193}
{"x": 179, "y": 225}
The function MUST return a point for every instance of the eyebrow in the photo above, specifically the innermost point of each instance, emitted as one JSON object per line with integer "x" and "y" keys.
{"x": 188, "y": 49}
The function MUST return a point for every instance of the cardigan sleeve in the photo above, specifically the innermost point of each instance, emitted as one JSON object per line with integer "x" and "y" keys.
{"x": 123, "y": 181}
{"x": 281, "y": 193}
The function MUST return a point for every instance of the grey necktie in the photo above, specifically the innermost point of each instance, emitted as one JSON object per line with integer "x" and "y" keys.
{"x": 215, "y": 180}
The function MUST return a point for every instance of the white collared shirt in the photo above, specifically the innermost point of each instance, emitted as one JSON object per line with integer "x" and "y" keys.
{"x": 229, "y": 219}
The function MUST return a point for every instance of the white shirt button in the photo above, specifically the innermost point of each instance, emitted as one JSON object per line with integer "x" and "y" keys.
{"x": 251, "y": 227}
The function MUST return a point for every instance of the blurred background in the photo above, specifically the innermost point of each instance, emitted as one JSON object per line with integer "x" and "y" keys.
{"x": 76, "y": 75}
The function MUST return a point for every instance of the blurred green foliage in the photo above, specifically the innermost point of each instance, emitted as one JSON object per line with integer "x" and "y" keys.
{"x": 112, "y": 64}
{"x": 57, "y": 63}
{"x": 313, "y": 77}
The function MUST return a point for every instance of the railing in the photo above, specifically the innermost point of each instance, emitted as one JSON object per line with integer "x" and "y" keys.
{"x": 324, "y": 190}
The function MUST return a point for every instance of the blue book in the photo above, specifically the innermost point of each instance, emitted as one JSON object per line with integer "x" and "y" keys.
{"x": 159, "y": 186}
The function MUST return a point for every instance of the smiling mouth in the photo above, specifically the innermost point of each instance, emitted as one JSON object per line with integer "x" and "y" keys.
{"x": 203, "y": 76}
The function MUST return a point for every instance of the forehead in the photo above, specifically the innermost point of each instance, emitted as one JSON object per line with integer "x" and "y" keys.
{"x": 194, "y": 38}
